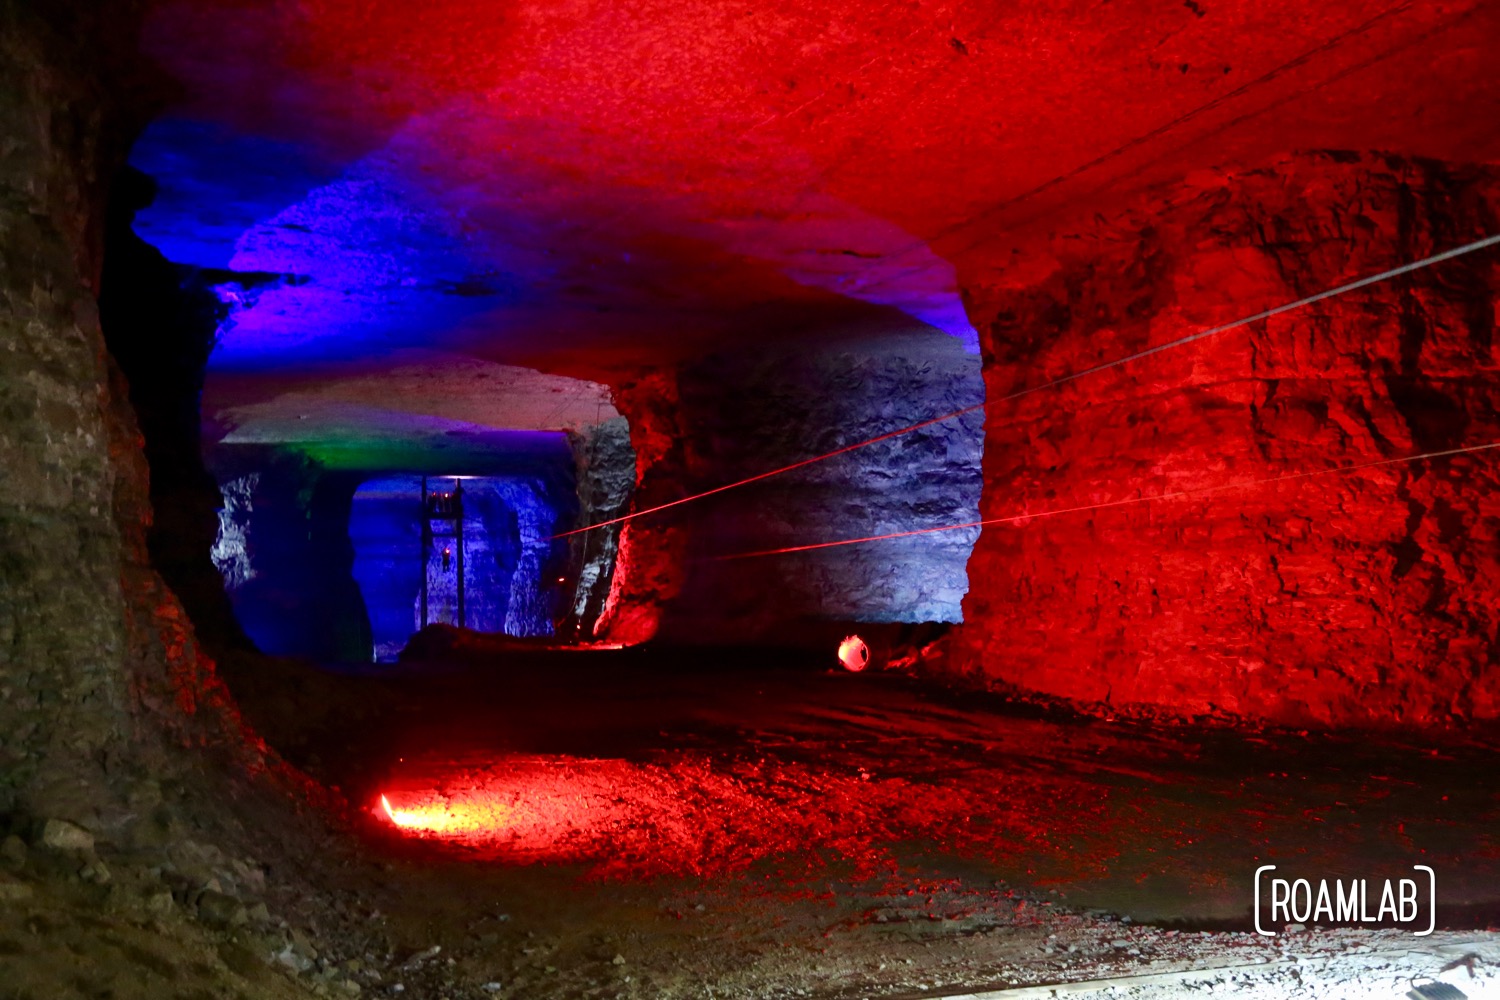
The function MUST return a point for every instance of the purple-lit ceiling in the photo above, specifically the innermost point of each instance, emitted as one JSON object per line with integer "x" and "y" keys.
{"x": 432, "y": 200}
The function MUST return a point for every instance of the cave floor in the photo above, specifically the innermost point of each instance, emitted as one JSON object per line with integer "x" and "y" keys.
{"x": 743, "y": 823}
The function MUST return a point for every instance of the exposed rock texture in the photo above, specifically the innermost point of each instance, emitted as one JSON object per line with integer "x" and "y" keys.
{"x": 605, "y": 469}
{"x": 64, "y": 441}
{"x": 649, "y": 562}
{"x": 99, "y": 671}
{"x": 507, "y": 557}
{"x": 1354, "y": 597}
{"x": 744, "y": 414}
{"x": 284, "y": 552}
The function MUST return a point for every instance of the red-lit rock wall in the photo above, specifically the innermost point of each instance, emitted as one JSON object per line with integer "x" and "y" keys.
{"x": 649, "y": 560}
{"x": 1367, "y": 596}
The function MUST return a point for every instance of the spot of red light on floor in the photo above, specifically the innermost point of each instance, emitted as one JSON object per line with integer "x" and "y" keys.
{"x": 474, "y": 817}
{"x": 701, "y": 815}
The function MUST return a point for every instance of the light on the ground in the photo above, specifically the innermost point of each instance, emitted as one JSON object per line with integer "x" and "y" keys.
{"x": 854, "y": 654}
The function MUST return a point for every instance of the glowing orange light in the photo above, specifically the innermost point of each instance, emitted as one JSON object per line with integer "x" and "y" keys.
{"x": 439, "y": 816}
{"x": 854, "y": 654}
{"x": 693, "y": 814}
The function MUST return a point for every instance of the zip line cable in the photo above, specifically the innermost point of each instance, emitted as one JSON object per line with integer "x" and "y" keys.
{"x": 1214, "y": 331}
{"x": 775, "y": 472}
{"x": 1175, "y": 495}
{"x": 1394, "y": 272}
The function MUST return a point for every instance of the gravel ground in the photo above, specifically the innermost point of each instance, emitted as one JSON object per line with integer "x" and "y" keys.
{"x": 619, "y": 828}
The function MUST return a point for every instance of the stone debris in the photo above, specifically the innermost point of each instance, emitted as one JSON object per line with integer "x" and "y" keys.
{"x": 13, "y": 852}
{"x": 60, "y": 835}
{"x": 219, "y": 909}
{"x": 422, "y": 956}
{"x": 159, "y": 902}
{"x": 289, "y": 958}
{"x": 13, "y": 890}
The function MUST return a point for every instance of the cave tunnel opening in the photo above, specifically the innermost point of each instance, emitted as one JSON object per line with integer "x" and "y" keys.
{"x": 670, "y": 528}
{"x": 482, "y": 562}
{"x": 288, "y": 553}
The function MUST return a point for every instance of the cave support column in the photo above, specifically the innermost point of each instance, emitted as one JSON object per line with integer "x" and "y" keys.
{"x": 78, "y": 648}
{"x": 649, "y": 563}
{"x": 605, "y": 470}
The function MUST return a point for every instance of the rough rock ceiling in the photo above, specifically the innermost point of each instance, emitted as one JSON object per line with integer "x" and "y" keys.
{"x": 594, "y": 187}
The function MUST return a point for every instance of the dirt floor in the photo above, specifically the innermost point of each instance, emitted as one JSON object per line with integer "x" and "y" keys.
{"x": 699, "y": 823}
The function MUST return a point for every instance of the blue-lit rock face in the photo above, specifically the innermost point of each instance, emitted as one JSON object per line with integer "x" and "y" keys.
{"x": 328, "y": 564}
{"x": 392, "y": 305}
{"x": 283, "y": 552}
{"x": 384, "y": 317}
{"x": 606, "y": 483}
{"x": 743, "y": 414}
{"x": 505, "y": 550}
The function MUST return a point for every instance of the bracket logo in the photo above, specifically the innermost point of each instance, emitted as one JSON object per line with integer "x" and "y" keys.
{"x": 1352, "y": 902}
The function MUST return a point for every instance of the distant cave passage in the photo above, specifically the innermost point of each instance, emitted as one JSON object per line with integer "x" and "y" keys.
{"x": 329, "y": 565}
{"x": 502, "y": 554}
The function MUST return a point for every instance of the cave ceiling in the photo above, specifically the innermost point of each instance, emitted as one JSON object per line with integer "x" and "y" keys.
{"x": 422, "y": 201}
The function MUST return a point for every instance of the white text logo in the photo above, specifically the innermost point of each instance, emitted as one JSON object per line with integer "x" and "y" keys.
{"x": 1282, "y": 901}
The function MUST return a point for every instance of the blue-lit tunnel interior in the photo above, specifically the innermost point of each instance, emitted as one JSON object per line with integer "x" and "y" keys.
{"x": 504, "y": 556}
{"x": 328, "y": 564}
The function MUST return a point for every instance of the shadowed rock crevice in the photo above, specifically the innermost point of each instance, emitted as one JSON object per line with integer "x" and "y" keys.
{"x": 159, "y": 322}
